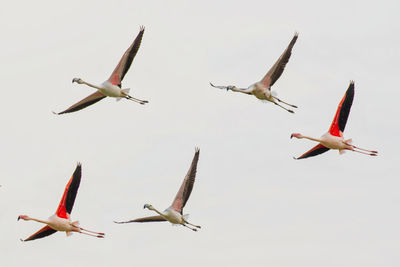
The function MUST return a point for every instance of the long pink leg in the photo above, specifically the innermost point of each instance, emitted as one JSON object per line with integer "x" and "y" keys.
{"x": 90, "y": 231}
{"x": 372, "y": 151}
{"x": 284, "y": 102}
{"x": 371, "y": 154}
{"x": 136, "y": 100}
{"x": 99, "y": 236}
{"x": 194, "y": 229}
{"x": 197, "y": 226}
{"x": 289, "y": 110}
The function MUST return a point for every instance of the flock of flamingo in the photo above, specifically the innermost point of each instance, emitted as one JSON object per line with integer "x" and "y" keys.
{"x": 333, "y": 139}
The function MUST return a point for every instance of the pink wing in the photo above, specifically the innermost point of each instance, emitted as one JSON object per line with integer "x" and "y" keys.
{"x": 187, "y": 185}
{"x": 277, "y": 69}
{"x": 342, "y": 112}
{"x": 90, "y": 100}
{"x": 68, "y": 199}
{"x": 45, "y": 231}
{"x": 318, "y": 149}
{"x": 124, "y": 64}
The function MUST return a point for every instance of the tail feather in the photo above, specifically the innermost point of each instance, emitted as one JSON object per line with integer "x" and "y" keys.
{"x": 126, "y": 91}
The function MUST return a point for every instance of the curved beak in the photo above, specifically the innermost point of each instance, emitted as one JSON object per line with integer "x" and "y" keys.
{"x": 19, "y": 217}
{"x": 291, "y": 136}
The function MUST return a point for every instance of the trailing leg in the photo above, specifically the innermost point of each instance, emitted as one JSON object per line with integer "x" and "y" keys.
{"x": 284, "y": 102}
{"x": 289, "y": 110}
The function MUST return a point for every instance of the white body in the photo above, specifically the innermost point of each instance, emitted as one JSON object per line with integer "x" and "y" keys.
{"x": 61, "y": 224}
{"x": 334, "y": 142}
{"x": 173, "y": 216}
{"x": 261, "y": 92}
{"x": 108, "y": 89}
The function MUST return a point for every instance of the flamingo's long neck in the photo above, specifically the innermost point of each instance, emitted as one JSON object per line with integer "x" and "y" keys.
{"x": 160, "y": 213}
{"x": 312, "y": 138}
{"x": 91, "y": 85}
{"x": 38, "y": 220}
{"x": 241, "y": 90}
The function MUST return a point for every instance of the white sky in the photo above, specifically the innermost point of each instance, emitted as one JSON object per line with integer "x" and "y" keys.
{"x": 257, "y": 206}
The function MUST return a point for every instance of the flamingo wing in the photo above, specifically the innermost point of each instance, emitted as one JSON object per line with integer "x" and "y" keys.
{"x": 342, "y": 112}
{"x": 124, "y": 64}
{"x": 90, "y": 100}
{"x": 318, "y": 149}
{"x": 67, "y": 201}
{"x": 277, "y": 69}
{"x": 187, "y": 185}
{"x": 45, "y": 231}
{"x": 156, "y": 218}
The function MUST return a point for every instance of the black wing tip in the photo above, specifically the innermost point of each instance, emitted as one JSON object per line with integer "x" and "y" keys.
{"x": 78, "y": 170}
{"x": 294, "y": 39}
{"x": 351, "y": 85}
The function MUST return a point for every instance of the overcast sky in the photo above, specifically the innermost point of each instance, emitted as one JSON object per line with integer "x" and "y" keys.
{"x": 256, "y": 205}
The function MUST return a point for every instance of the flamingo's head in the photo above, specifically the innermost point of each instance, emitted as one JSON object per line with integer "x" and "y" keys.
{"x": 23, "y": 217}
{"x": 77, "y": 80}
{"x": 148, "y": 206}
{"x": 297, "y": 135}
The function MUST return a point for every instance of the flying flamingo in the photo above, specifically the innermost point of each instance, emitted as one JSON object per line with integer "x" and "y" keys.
{"x": 262, "y": 89}
{"x": 174, "y": 213}
{"x": 111, "y": 87}
{"x": 333, "y": 139}
{"x": 61, "y": 220}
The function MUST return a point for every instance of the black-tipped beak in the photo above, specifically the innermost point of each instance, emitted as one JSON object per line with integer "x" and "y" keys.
{"x": 291, "y": 136}
{"x": 73, "y": 80}
{"x": 19, "y": 217}
{"x": 144, "y": 206}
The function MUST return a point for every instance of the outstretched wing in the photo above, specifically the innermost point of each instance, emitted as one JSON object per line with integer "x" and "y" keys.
{"x": 67, "y": 201}
{"x": 342, "y": 113}
{"x": 187, "y": 185}
{"x": 124, "y": 64}
{"x": 277, "y": 69}
{"x": 90, "y": 100}
{"x": 45, "y": 231}
{"x": 156, "y": 218}
{"x": 318, "y": 149}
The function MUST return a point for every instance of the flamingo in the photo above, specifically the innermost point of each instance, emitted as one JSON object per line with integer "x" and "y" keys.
{"x": 262, "y": 89}
{"x": 61, "y": 220}
{"x": 174, "y": 213}
{"x": 334, "y": 139}
{"x": 111, "y": 87}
